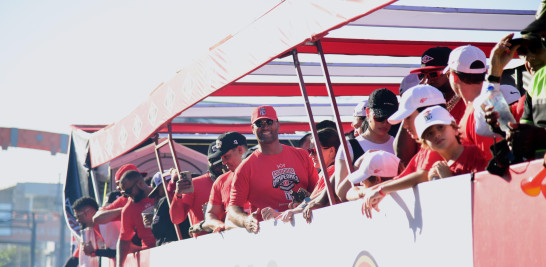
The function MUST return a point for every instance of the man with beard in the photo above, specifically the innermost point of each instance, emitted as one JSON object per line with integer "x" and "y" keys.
{"x": 195, "y": 203}
{"x": 132, "y": 185}
{"x": 269, "y": 177}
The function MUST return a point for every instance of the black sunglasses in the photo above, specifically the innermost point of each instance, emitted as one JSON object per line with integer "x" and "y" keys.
{"x": 129, "y": 190}
{"x": 260, "y": 123}
{"x": 379, "y": 119}
{"x": 313, "y": 151}
{"x": 430, "y": 74}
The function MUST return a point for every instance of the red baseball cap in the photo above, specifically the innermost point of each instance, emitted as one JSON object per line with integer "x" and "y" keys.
{"x": 127, "y": 167}
{"x": 264, "y": 112}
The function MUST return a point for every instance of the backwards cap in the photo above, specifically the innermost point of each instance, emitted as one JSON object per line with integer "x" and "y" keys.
{"x": 467, "y": 59}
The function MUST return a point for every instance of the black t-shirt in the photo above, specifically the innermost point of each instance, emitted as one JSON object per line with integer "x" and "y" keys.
{"x": 162, "y": 226}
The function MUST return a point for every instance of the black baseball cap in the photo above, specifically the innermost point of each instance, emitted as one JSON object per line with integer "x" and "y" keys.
{"x": 536, "y": 26}
{"x": 224, "y": 143}
{"x": 383, "y": 102}
{"x": 212, "y": 149}
{"x": 434, "y": 58}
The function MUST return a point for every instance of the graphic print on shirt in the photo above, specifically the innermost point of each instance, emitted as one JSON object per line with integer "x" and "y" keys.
{"x": 285, "y": 179}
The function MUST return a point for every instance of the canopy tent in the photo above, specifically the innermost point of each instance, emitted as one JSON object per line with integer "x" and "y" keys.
{"x": 371, "y": 50}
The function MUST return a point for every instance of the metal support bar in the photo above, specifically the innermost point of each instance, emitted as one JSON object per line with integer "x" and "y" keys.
{"x": 335, "y": 110}
{"x": 158, "y": 146}
{"x": 323, "y": 166}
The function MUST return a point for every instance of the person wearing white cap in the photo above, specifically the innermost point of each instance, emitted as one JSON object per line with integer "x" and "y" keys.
{"x": 466, "y": 71}
{"x": 374, "y": 168}
{"x": 437, "y": 130}
{"x": 382, "y": 103}
{"x": 359, "y": 117}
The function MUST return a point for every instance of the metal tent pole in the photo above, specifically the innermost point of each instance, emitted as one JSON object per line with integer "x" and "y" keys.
{"x": 168, "y": 141}
{"x": 323, "y": 166}
{"x": 333, "y": 103}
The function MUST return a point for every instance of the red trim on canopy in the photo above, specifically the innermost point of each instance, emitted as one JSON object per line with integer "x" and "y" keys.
{"x": 215, "y": 128}
{"x": 385, "y": 47}
{"x": 293, "y": 89}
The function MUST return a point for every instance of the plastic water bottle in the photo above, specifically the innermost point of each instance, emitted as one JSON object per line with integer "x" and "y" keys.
{"x": 496, "y": 99}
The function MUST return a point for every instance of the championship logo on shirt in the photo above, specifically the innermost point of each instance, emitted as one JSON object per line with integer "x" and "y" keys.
{"x": 285, "y": 179}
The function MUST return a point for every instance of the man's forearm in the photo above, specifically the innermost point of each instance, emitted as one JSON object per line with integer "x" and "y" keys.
{"x": 122, "y": 251}
{"x": 237, "y": 215}
{"x": 106, "y": 216}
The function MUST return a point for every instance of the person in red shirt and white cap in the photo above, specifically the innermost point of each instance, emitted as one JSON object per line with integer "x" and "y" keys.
{"x": 270, "y": 176}
{"x": 437, "y": 131}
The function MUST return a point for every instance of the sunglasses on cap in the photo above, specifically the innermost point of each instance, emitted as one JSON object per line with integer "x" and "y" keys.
{"x": 430, "y": 74}
{"x": 532, "y": 43}
{"x": 260, "y": 123}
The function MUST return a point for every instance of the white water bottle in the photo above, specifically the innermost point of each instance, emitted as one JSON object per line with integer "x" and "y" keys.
{"x": 496, "y": 99}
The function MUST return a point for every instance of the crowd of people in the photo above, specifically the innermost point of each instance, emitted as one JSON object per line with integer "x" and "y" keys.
{"x": 444, "y": 126}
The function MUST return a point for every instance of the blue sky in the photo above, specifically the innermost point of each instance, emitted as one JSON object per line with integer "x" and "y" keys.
{"x": 93, "y": 62}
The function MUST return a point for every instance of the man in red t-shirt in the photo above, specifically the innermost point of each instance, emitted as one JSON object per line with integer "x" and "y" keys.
{"x": 230, "y": 147}
{"x": 133, "y": 186}
{"x": 191, "y": 204}
{"x": 112, "y": 212}
{"x": 270, "y": 176}
{"x": 466, "y": 71}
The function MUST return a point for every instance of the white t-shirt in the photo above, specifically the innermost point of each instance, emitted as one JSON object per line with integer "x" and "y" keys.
{"x": 366, "y": 145}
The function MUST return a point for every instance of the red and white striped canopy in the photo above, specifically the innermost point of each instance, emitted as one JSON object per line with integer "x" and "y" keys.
{"x": 367, "y": 45}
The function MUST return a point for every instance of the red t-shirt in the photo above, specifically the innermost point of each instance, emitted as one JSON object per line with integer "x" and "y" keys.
{"x": 131, "y": 219}
{"x": 320, "y": 184}
{"x": 517, "y": 107}
{"x": 192, "y": 203}
{"x": 469, "y": 161}
{"x": 458, "y": 110}
{"x": 423, "y": 160}
{"x": 266, "y": 180}
{"x": 467, "y": 127}
{"x": 120, "y": 202}
{"x": 221, "y": 190}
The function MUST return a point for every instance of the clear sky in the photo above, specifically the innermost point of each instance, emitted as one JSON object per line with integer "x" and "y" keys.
{"x": 93, "y": 62}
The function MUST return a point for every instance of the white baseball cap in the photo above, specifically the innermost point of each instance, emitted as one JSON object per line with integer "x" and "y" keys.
{"x": 432, "y": 116}
{"x": 360, "y": 109}
{"x": 421, "y": 95}
{"x": 408, "y": 82}
{"x": 467, "y": 59}
{"x": 510, "y": 93}
{"x": 377, "y": 163}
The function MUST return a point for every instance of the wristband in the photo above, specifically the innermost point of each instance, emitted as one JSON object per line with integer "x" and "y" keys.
{"x": 381, "y": 191}
{"x": 493, "y": 79}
